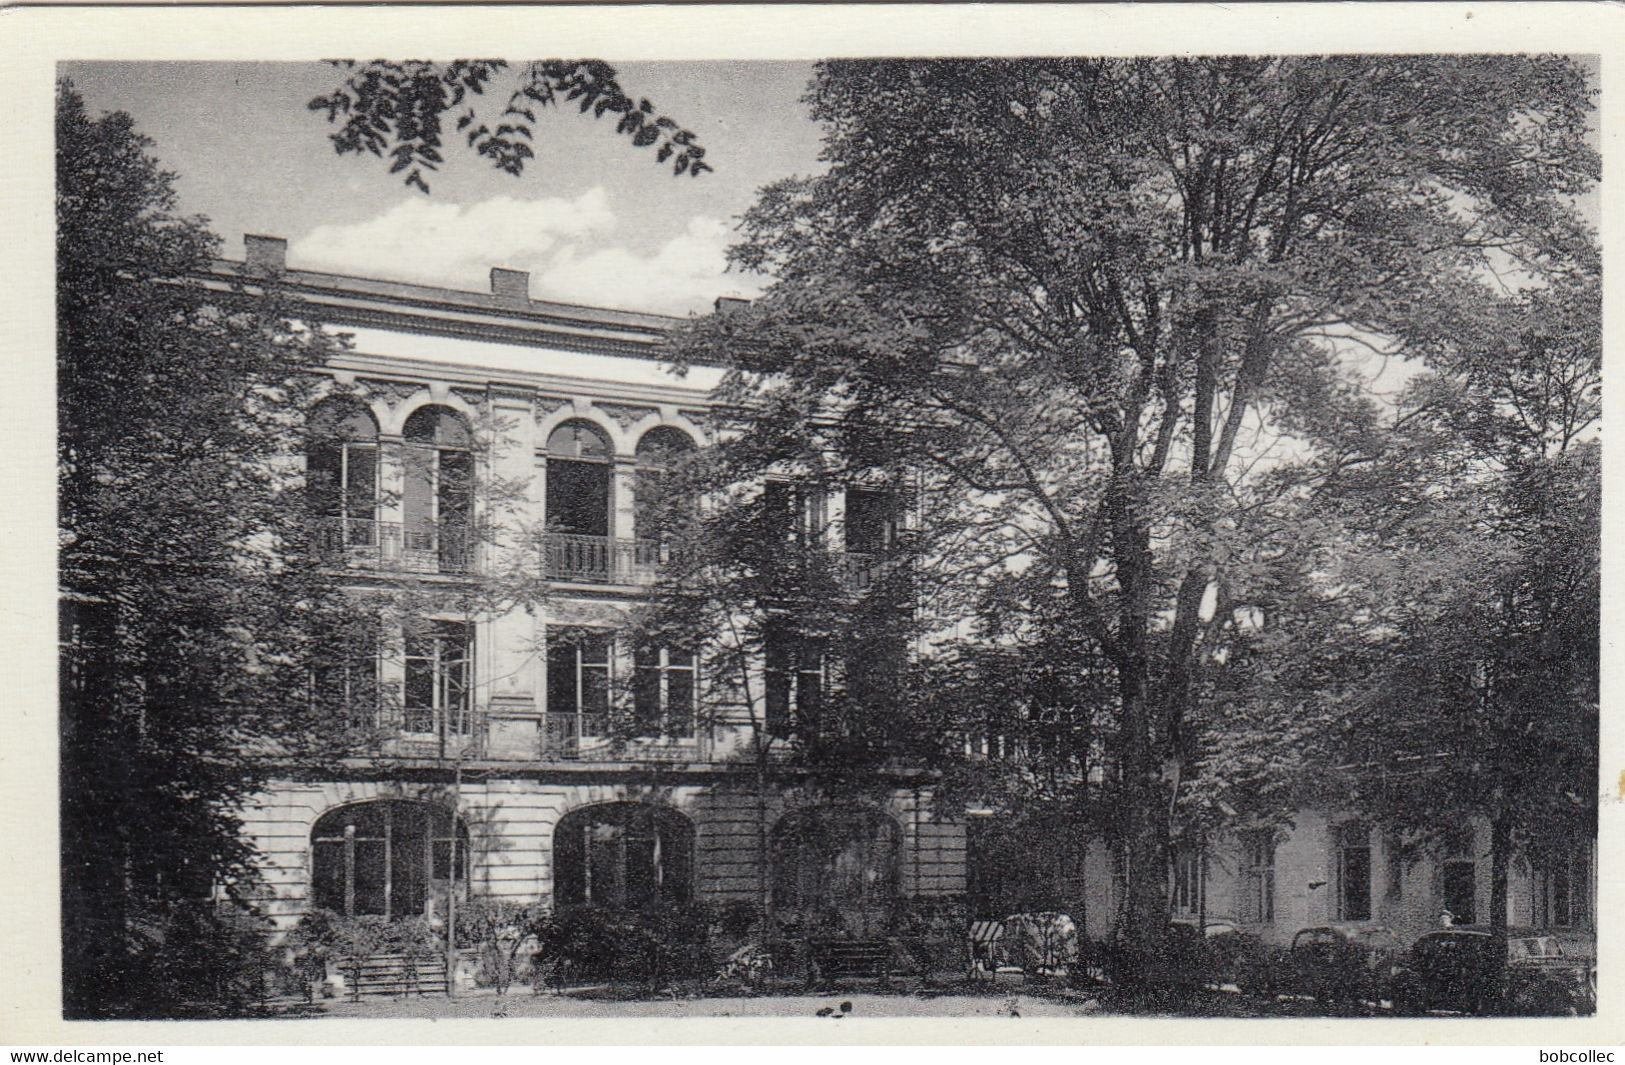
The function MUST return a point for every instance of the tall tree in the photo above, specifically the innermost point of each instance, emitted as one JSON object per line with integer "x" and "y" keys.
{"x": 1088, "y": 297}
{"x": 192, "y": 617}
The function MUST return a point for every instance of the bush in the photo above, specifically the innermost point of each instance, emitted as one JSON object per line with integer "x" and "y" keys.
{"x": 651, "y": 947}
{"x": 499, "y": 929}
{"x": 193, "y": 959}
{"x": 930, "y": 933}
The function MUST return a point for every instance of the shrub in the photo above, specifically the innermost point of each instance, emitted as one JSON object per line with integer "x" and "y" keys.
{"x": 651, "y": 947}
{"x": 499, "y": 929}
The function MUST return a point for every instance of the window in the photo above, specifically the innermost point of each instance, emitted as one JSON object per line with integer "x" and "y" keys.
{"x": 871, "y": 521}
{"x": 439, "y": 657}
{"x": 793, "y": 513}
{"x": 578, "y": 467}
{"x": 437, "y": 498}
{"x": 623, "y": 855}
{"x": 796, "y": 678}
{"x": 1563, "y": 894}
{"x": 1458, "y": 878}
{"x": 1257, "y": 903}
{"x": 345, "y": 679}
{"x": 578, "y": 682}
{"x": 341, "y": 475}
{"x": 1189, "y": 881}
{"x": 663, "y": 690}
{"x": 1354, "y": 872}
{"x": 390, "y": 858}
{"x": 660, "y": 451}
{"x": 834, "y": 858}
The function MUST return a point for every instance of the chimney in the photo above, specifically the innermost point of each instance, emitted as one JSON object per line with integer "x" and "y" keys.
{"x": 731, "y": 303}
{"x": 513, "y": 284}
{"x": 265, "y": 255}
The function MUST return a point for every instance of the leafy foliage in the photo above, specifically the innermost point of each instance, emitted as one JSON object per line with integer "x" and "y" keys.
{"x": 192, "y": 617}
{"x": 398, "y": 110}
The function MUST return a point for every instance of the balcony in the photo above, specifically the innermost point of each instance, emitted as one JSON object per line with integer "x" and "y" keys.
{"x": 365, "y": 543}
{"x": 600, "y": 559}
{"x": 582, "y": 738}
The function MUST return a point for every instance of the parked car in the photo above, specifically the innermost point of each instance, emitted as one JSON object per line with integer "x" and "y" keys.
{"x": 1332, "y": 963}
{"x": 1454, "y": 969}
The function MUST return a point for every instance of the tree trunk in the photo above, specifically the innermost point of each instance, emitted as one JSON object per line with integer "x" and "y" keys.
{"x": 1143, "y": 824}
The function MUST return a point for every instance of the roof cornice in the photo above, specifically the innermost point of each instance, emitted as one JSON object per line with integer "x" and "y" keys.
{"x": 341, "y": 299}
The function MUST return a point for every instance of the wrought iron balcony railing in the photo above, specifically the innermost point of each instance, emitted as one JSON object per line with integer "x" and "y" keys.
{"x": 583, "y": 738}
{"x": 417, "y": 547}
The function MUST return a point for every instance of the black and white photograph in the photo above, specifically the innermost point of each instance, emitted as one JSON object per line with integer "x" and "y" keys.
{"x": 1040, "y": 537}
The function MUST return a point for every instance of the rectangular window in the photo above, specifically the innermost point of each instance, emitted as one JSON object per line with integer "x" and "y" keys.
{"x": 1458, "y": 876}
{"x": 871, "y": 521}
{"x": 663, "y": 691}
{"x": 1567, "y": 894}
{"x": 1188, "y": 881}
{"x": 1459, "y": 884}
{"x": 796, "y": 678}
{"x": 1354, "y": 872}
{"x": 1257, "y": 902}
{"x": 439, "y": 659}
{"x": 794, "y": 513}
{"x": 345, "y": 680}
{"x": 578, "y": 678}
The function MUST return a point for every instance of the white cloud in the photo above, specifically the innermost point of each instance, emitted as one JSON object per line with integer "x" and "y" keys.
{"x": 566, "y": 245}
{"x": 686, "y": 274}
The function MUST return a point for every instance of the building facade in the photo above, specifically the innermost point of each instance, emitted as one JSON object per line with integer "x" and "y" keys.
{"x": 446, "y": 408}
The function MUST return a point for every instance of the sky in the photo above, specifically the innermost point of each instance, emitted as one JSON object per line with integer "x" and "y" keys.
{"x": 594, "y": 220}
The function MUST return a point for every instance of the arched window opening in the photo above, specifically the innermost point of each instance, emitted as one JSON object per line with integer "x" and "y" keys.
{"x": 437, "y": 497}
{"x": 393, "y": 858}
{"x": 579, "y": 503}
{"x": 836, "y": 863}
{"x": 341, "y": 475}
{"x": 623, "y": 856}
{"x": 660, "y": 451}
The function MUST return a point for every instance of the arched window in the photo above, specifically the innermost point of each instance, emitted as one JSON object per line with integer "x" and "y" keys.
{"x": 390, "y": 857}
{"x": 341, "y": 474}
{"x": 840, "y": 859}
{"x": 659, "y": 452}
{"x": 623, "y": 855}
{"x": 579, "y": 503}
{"x": 437, "y": 498}
{"x": 663, "y": 447}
